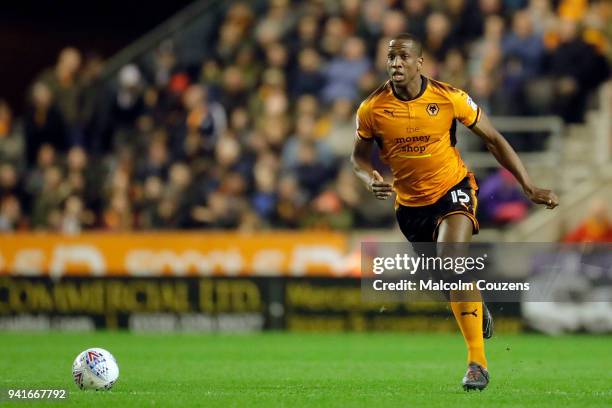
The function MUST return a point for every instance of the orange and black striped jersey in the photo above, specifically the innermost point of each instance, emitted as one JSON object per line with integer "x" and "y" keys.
{"x": 417, "y": 137}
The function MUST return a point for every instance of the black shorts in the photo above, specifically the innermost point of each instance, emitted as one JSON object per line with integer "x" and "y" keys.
{"x": 420, "y": 224}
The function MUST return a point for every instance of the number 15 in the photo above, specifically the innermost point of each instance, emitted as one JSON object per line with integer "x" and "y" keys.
{"x": 459, "y": 196}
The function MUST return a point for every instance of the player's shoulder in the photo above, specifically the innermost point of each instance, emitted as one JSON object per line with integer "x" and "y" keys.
{"x": 379, "y": 94}
{"x": 444, "y": 89}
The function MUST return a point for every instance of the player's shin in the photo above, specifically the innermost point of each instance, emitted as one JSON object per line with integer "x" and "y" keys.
{"x": 467, "y": 308}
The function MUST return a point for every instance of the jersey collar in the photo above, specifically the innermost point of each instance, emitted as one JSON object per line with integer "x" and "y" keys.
{"x": 423, "y": 87}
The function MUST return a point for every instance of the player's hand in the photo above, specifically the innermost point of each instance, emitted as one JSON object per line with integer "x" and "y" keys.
{"x": 543, "y": 196}
{"x": 379, "y": 187}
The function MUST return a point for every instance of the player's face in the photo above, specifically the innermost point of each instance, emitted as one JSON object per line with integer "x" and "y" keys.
{"x": 403, "y": 64}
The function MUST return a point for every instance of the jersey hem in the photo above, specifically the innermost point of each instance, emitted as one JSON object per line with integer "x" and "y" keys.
{"x": 432, "y": 200}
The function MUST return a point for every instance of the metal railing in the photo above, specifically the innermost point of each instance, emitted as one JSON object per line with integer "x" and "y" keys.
{"x": 178, "y": 22}
{"x": 549, "y": 156}
{"x": 603, "y": 126}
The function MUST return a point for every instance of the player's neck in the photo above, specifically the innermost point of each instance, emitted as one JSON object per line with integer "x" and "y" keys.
{"x": 411, "y": 90}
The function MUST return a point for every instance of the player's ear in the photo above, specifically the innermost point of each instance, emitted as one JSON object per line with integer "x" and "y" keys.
{"x": 419, "y": 63}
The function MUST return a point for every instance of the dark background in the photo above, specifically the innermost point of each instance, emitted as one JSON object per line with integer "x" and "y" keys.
{"x": 33, "y": 32}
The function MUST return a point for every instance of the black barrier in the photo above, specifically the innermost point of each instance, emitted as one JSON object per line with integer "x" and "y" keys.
{"x": 216, "y": 304}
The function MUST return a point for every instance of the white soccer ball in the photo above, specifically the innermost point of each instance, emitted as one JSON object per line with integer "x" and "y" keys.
{"x": 95, "y": 369}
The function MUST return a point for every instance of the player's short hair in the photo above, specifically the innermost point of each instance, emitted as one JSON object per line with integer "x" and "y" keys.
{"x": 416, "y": 43}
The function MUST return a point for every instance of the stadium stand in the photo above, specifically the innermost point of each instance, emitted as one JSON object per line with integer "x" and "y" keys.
{"x": 240, "y": 115}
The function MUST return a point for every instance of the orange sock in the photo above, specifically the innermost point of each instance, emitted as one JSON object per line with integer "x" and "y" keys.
{"x": 469, "y": 317}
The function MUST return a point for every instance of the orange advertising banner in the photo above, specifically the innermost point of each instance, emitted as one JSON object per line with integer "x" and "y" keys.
{"x": 175, "y": 254}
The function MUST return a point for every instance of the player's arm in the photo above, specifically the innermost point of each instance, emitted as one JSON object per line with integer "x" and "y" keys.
{"x": 507, "y": 157}
{"x": 362, "y": 166}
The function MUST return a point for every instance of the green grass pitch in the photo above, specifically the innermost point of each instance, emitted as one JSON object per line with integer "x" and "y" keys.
{"x": 314, "y": 370}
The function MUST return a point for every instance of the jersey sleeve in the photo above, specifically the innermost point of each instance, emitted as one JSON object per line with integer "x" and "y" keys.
{"x": 364, "y": 122}
{"x": 466, "y": 110}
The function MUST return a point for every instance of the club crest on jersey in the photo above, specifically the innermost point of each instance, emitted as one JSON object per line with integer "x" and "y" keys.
{"x": 432, "y": 109}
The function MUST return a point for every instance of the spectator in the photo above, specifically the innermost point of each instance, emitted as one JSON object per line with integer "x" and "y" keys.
{"x": 466, "y": 19}
{"x": 483, "y": 89}
{"x": 157, "y": 161}
{"x": 305, "y": 135}
{"x": 234, "y": 89}
{"x": 394, "y": 23}
{"x": 351, "y": 11}
{"x": 327, "y": 212}
{"x": 44, "y": 123}
{"x": 12, "y": 186}
{"x": 311, "y": 172}
{"x": 75, "y": 216}
{"x": 220, "y": 212}
{"x": 228, "y": 152}
{"x": 9, "y": 181}
{"x": 437, "y": 39}
{"x": 46, "y": 206}
{"x": 306, "y": 33}
{"x": 241, "y": 123}
{"x": 203, "y": 117}
{"x": 347, "y": 187}
{"x": 95, "y": 107}
{"x": 64, "y": 84}
{"x": 417, "y": 11}
{"x": 341, "y": 125}
{"x": 524, "y": 46}
{"x": 523, "y": 51}
{"x": 596, "y": 226}
{"x": 308, "y": 78}
{"x": 118, "y": 214}
{"x": 11, "y": 138}
{"x": 291, "y": 203}
{"x": 501, "y": 199}
{"x": 250, "y": 67}
{"x": 165, "y": 64}
{"x": 10, "y": 214}
{"x": 371, "y": 23}
{"x": 182, "y": 190}
{"x": 454, "y": 69}
{"x": 230, "y": 36}
{"x": 212, "y": 75}
{"x": 151, "y": 195}
{"x": 35, "y": 177}
{"x": 265, "y": 197}
{"x": 277, "y": 56}
{"x": 342, "y": 74}
{"x": 493, "y": 34}
{"x": 128, "y": 103}
{"x": 335, "y": 207}
{"x": 542, "y": 16}
{"x": 84, "y": 177}
{"x": 277, "y": 22}
{"x": 577, "y": 70}
{"x": 334, "y": 36}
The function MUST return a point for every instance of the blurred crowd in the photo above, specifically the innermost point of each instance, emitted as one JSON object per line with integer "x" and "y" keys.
{"x": 258, "y": 131}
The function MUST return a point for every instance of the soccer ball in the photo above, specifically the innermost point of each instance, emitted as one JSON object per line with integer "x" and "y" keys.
{"x": 95, "y": 369}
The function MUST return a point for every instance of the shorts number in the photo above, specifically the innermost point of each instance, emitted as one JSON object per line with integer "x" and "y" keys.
{"x": 459, "y": 196}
